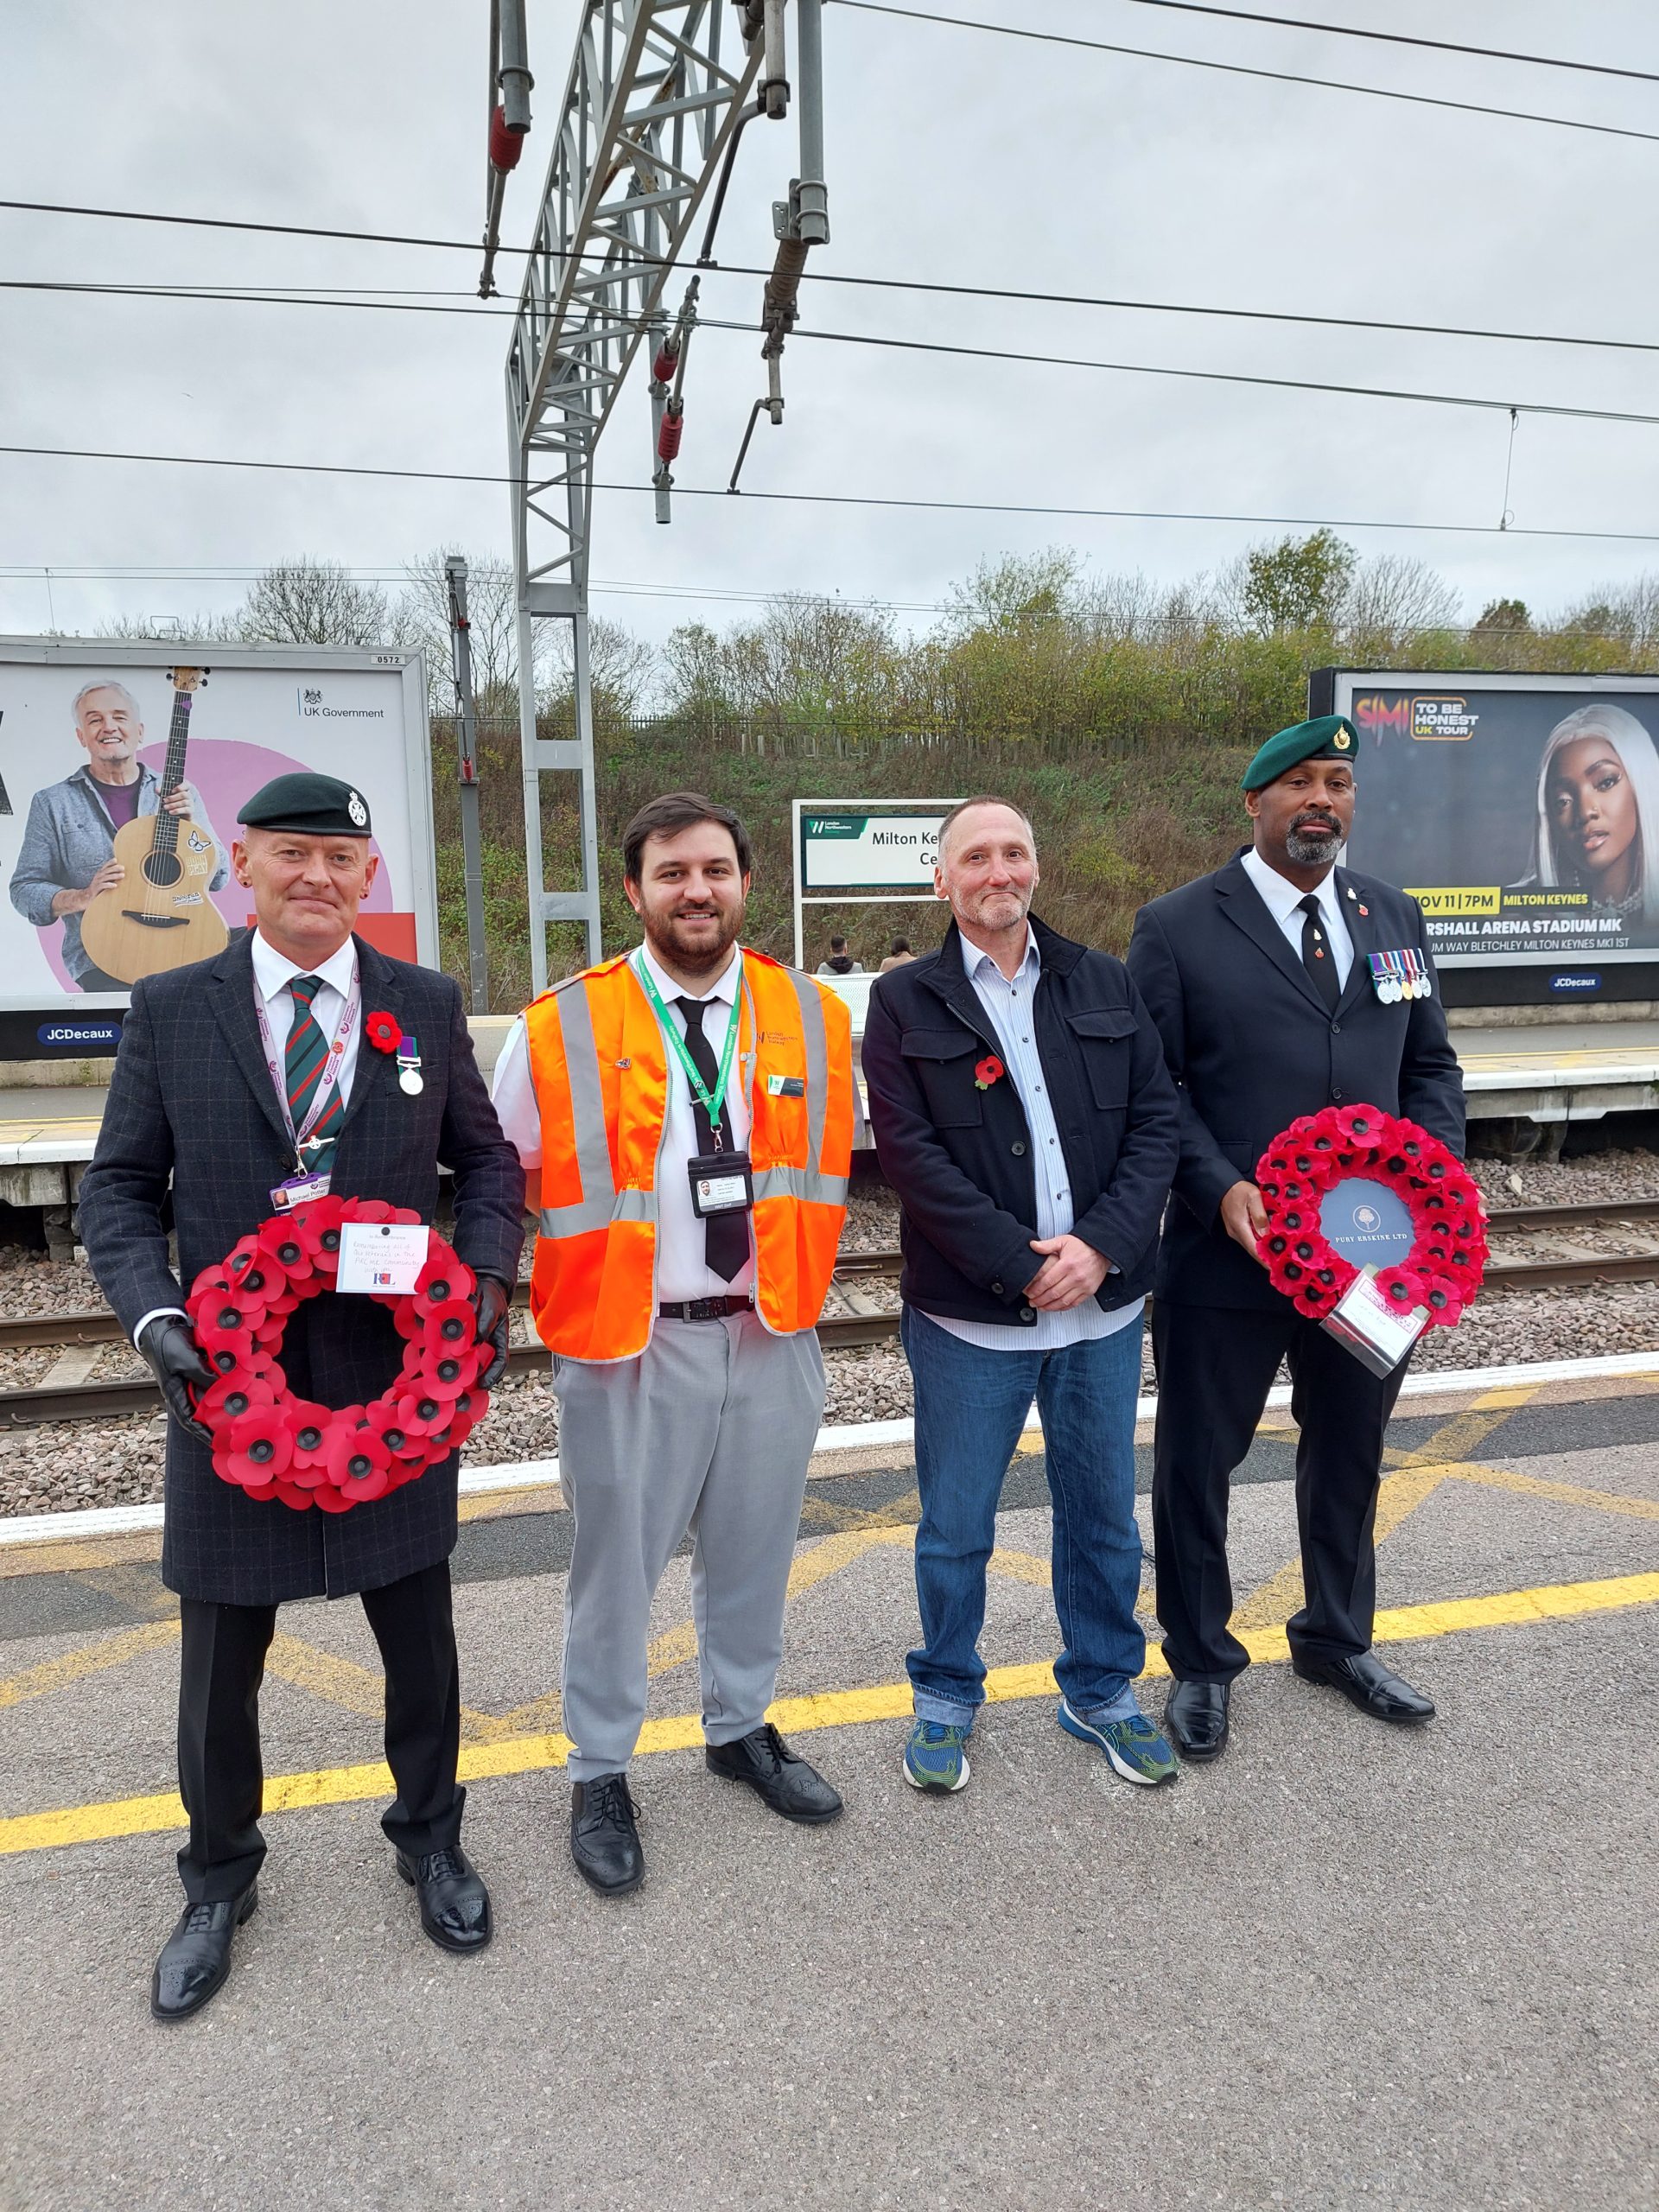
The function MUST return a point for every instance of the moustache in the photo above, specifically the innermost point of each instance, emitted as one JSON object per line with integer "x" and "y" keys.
{"x": 1318, "y": 822}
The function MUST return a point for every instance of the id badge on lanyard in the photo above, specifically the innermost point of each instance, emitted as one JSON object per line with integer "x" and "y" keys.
{"x": 722, "y": 1181}
{"x": 305, "y": 1183}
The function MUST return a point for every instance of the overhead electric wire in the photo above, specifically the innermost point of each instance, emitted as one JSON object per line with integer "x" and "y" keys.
{"x": 1398, "y": 38}
{"x": 1246, "y": 69}
{"x": 849, "y": 499}
{"x": 1020, "y": 356}
{"x": 744, "y": 269}
{"x": 414, "y": 301}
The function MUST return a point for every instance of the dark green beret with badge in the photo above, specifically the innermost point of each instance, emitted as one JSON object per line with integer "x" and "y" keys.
{"x": 315, "y": 806}
{"x": 1327, "y": 737}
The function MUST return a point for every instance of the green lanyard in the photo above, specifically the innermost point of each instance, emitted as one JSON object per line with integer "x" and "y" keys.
{"x": 710, "y": 1101}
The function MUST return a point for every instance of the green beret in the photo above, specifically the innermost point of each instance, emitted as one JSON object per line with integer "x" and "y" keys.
{"x": 317, "y": 806}
{"x": 1327, "y": 737}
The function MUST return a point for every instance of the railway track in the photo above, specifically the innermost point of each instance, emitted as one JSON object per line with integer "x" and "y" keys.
{"x": 65, "y": 1397}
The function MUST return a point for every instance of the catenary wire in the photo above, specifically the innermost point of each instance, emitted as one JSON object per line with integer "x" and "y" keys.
{"x": 820, "y": 277}
{"x": 416, "y": 301}
{"x": 1026, "y": 357}
{"x": 1399, "y": 38}
{"x": 849, "y": 499}
{"x": 1245, "y": 69}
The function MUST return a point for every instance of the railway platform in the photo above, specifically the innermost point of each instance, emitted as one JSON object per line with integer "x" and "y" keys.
{"x": 1344, "y": 1966}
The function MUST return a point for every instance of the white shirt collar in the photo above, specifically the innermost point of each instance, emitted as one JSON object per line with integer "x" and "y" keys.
{"x": 1280, "y": 894}
{"x": 724, "y": 985}
{"x": 273, "y": 971}
{"x": 975, "y": 961}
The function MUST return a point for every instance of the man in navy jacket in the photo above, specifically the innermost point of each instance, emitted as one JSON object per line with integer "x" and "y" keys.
{"x": 1259, "y": 979}
{"x": 1023, "y": 1112}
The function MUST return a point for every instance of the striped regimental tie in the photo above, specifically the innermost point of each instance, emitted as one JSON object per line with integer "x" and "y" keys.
{"x": 304, "y": 1057}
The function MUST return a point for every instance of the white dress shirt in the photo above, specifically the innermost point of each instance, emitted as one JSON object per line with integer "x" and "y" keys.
{"x": 682, "y": 1271}
{"x": 1011, "y": 1006}
{"x": 1284, "y": 902}
{"x": 273, "y": 974}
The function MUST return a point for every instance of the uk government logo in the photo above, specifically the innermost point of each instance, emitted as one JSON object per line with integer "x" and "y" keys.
{"x": 313, "y": 707}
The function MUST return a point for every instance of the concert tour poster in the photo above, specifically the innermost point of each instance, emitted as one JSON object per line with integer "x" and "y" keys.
{"x": 1520, "y": 811}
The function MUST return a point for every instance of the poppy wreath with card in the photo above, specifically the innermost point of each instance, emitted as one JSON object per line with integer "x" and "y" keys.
{"x": 272, "y": 1444}
{"x": 1444, "y": 1267}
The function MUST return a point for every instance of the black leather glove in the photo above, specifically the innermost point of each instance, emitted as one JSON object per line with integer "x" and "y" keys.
{"x": 492, "y": 1303}
{"x": 170, "y": 1346}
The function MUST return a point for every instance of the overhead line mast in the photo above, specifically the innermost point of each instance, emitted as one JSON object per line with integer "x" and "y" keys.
{"x": 657, "y": 93}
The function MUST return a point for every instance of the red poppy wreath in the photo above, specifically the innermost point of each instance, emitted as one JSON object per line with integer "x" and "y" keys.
{"x": 273, "y": 1445}
{"x": 1443, "y": 1269}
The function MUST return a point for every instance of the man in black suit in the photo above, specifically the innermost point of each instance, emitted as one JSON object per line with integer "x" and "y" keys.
{"x": 1259, "y": 979}
{"x": 236, "y": 1078}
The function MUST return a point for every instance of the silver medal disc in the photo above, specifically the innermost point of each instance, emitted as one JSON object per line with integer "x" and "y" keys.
{"x": 409, "y": 1080}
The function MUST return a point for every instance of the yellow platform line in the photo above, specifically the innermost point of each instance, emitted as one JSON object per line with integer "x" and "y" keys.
{"x": 798, "y": 1715}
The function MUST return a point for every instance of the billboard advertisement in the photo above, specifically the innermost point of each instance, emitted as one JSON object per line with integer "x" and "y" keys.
{"x": 122, "y": 769}
{"x": 1520, "y": 811}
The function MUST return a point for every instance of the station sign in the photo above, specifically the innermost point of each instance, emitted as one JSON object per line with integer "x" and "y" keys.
{"x": 869, "y": 852}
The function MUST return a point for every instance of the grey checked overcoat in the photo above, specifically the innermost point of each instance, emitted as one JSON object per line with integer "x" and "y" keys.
{"x": 191, "y": 1103}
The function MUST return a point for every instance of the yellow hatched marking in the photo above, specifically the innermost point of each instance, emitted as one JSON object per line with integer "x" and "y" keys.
{"x": 1418, "y": 1474}
{"x": 827, "y": 1709}
{"x": 91, "y": 1659}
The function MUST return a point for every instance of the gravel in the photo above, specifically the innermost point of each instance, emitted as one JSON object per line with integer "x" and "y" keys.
{"x": 64, "y": 1465}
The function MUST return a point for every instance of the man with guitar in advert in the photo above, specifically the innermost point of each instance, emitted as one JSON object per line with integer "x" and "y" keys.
{"x": 123, "y": 859}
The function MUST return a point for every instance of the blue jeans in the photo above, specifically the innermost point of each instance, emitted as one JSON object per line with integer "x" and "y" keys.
{"x": 970, "y": 1409}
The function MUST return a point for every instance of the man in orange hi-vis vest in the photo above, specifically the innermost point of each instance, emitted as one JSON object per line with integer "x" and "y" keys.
{"x": 685, "y": 1116}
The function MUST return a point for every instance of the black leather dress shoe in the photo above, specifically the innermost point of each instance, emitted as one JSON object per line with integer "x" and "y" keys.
{"x": 1195, "y": 1719}
{"x": 777, "y": 1776}
{"x": 604, "y": 1840}
{"x": 1366, "y": 1682}
{"x": 196, "y": 1957}
{"x": 454, "y": 1904}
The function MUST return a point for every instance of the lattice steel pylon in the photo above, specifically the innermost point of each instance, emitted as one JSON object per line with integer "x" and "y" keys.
{"x": 656, "y": 90}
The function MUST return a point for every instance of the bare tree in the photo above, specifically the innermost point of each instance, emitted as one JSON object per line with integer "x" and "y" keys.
{"x": 1627, "y": 613}
{"x": 421, "y": 617}
{"x": 1390, "y": 597}
{"x": 307, "y": 602}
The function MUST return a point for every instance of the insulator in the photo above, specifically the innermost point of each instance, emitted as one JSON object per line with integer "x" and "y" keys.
{"x": 666, "y": 362}
{"x": 506, "y": 145}
{"x": 668, "y": 438}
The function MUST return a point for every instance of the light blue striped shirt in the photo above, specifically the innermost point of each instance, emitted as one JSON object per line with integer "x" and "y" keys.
{"x": 1012, "y": 1009}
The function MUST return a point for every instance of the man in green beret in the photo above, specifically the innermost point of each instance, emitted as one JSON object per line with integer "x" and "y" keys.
{"x": 300, "y": 1060}
{"x": 1271, "y": 985}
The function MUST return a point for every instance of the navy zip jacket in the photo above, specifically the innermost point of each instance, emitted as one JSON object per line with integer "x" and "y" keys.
{"x": 960, "y": 1157}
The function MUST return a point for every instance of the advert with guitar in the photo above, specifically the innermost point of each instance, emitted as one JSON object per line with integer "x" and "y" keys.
{"x": 159, "y": 914}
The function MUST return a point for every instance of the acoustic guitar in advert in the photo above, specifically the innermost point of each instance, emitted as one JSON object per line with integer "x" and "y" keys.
{"x": 160, "y": 915}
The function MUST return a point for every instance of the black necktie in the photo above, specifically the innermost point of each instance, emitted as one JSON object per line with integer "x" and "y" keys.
{"x": 1318, "y": 955}
{"x": 725, "y": 1235}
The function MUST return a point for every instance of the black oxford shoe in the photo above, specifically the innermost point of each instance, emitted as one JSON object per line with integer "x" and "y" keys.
{"x": 777, "y": 1776}
{"x": 454, "y": 1904}
{"x": 1366, "y": 1682}
{"x": 604, "y": 1838}
{"x": 1195, "y": 1719}
{"x": 196, "y": 1957}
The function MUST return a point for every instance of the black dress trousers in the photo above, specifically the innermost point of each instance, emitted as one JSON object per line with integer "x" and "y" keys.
{"x": 221, "y": 1774}
{"x": 1222, "y": 1360}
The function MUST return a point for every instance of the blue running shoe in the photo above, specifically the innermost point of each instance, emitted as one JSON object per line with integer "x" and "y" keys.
{"x": 935, "y": 1756}
{"x": 1137, "y": 1750}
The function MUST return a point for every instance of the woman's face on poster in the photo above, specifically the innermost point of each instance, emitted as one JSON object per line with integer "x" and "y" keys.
{"x": 1592, "y": 805}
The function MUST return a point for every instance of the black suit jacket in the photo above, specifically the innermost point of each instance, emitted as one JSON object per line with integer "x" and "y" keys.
{"x": 1251, "y": 1047}
{"x": 191, "y": 1101}
{"x": 960, "y": 1156}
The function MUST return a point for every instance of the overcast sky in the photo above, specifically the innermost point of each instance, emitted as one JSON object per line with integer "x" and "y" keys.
{"x": 952, "y": 155}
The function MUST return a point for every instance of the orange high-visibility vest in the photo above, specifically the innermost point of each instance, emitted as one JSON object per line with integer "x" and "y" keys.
{"x": 599, "y": 1063}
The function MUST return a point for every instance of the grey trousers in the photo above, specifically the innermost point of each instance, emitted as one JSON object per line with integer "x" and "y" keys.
{"x": 708, "y": 1433}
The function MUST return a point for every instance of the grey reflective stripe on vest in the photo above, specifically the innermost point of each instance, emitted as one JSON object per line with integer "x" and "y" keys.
{"x": 806, "y": 1182}
{"x": 818, "y": 1071}
{"x": 601, "y": 1203}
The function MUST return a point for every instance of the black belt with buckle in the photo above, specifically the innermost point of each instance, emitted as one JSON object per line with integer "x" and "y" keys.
{"x": 705, "y": 1309}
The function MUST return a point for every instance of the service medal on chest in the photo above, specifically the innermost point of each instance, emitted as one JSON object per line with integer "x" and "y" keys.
{"x": 409, "y": 1080}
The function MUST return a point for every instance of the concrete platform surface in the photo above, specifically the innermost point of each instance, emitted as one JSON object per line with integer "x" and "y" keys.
{"x": 1347, "y": 1966}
